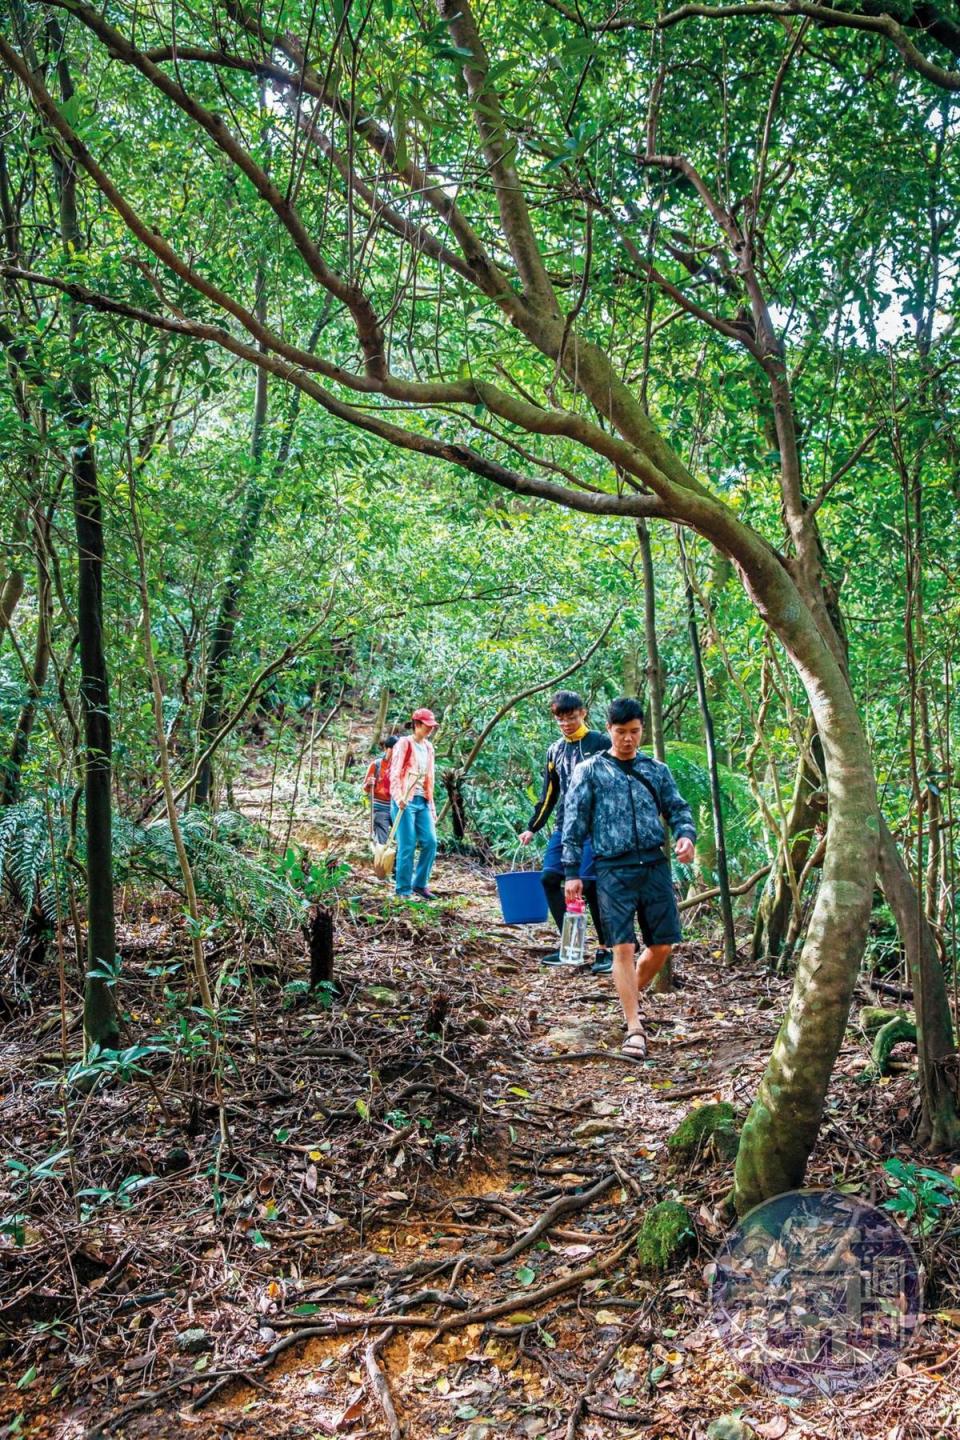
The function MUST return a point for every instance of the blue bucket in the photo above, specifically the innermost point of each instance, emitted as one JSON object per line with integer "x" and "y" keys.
{"x": 523, "y": 900}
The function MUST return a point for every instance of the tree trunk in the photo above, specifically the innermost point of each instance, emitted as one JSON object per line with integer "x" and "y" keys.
{"x": 781, "y": 1128}
{"x": 241, "y": 555}
{"x": 10, "y": 594}
{"x": 936, "y": 1054}
{"x": 10, "y": 789}
{"x": 662, "y": 982}
{"x": 716, "y": 802}
{"x": 776, "y": 902}
{"x": 453, "y": 781}
{"x": 319, "y": 934}
{"x": 380, "y": 724}
{"x": 654, "y": 670}
{"x": 99, "y": 1017}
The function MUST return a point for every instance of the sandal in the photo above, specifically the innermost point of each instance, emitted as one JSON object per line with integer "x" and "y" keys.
{"x": 635, "y": 1045}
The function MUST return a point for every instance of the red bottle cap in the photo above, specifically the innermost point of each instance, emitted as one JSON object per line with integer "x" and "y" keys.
{"x": 575, "y": 907}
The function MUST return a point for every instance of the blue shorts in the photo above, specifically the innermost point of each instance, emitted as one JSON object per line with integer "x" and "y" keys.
{"x": 553, "y": 858}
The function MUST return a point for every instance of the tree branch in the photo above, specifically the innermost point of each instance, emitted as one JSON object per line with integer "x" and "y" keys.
{"x": 485, "y": 273}
{"x": 508, "y": 705}
{"x": 828, "y": 18}
{"x": 348, "y": 293}
{"x": 499, "y": 148}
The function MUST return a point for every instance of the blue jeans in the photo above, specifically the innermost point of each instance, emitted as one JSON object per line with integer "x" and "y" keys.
{"x": 417, "y": 827}
{"x": 553, "y": 857}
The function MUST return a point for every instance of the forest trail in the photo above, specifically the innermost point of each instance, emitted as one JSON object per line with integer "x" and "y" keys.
{"x": 432, "y": 1192}
{"x": 551, "y": 1125}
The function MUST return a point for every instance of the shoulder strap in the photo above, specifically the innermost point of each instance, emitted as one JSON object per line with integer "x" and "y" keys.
{"x": 631, "y": 775}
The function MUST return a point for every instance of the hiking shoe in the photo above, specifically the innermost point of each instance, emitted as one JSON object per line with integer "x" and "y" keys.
{"x": 424, "y": 894}
{"x": 552, "y": 959}
{"x": 603, "y": 963}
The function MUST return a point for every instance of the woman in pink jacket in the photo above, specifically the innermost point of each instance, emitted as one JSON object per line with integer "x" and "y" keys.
{"x": 412, "y": 774}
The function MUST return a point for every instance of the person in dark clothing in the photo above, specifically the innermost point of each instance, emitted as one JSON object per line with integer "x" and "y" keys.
{"x": 576, "y": 743}
{"x": 616, "y": 800}
{"x": 377, "y": 785}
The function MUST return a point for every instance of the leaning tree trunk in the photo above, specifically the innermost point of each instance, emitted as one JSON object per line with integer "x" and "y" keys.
{"x": 781, "y": 1128}
{"x": 936, "y": 1053}
{"x": 13, "y": 588}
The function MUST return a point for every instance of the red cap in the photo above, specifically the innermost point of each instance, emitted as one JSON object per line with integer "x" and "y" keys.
{"x": 424, "y": 715}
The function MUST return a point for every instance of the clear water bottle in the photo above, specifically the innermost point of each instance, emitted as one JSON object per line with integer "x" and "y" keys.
{"x": 574, "y": 936}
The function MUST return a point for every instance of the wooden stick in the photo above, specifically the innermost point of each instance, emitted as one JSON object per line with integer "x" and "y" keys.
{"x": 379, "y": 1383}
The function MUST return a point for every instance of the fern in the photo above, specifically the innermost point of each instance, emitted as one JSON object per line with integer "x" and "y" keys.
{"x": 743, "y": 826}
{"x": 228, "y": 879}
{"x": 25, "y": 858}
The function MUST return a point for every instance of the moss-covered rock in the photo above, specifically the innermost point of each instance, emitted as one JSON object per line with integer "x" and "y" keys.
{"x": 707, "y": 1129}
{"x": 729, "y": 1427}
{"x": 873, "y": 1018}
{"x": 666, "y": 1235}
{"x": 896, "y": 1030}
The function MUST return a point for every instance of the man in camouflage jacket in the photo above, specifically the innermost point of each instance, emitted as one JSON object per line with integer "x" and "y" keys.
{"x": 616, "y": 800}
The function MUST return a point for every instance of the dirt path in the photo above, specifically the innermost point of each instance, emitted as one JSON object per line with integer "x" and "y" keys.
{"x": 427, "y": 1217}
{"x": 562, "y": 1114}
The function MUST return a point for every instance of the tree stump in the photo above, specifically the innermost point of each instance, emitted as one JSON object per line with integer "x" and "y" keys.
{"x": 318, "y": 931}
{"x": 666, "y": 1235}
{"x": 707, "y": 1128}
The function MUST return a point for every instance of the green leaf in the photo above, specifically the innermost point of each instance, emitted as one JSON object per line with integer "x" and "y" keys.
{"x": 524, "y": 1275}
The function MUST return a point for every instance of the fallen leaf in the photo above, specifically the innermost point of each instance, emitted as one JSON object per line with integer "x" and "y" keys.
{"x": 353, "y": 1412}
{"x": 774, "y": 1429}
{"x": 608, "y": 1317}
{"x": 138, "y": 1362}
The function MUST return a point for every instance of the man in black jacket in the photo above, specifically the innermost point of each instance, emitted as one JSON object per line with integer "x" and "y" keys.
{"x": 576, "y": 743}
